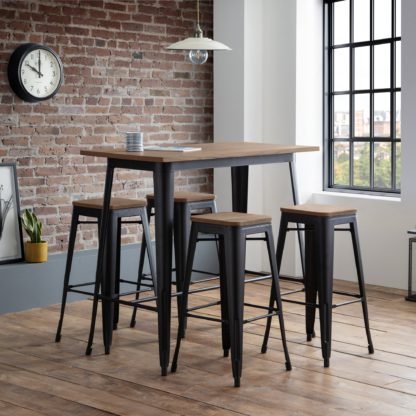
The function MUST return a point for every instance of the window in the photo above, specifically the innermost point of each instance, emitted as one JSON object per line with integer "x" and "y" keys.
{"x": 362, "y": 108}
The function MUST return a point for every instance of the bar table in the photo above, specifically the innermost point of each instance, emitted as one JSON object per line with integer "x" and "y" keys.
{"x": 238, "y": 156}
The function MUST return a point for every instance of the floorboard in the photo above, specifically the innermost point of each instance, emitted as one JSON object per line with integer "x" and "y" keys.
{"x": 41, "y": 377}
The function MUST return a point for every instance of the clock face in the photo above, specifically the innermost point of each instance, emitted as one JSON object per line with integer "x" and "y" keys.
{"x": 40, "y": 73}
{"x": 35, "y": 72}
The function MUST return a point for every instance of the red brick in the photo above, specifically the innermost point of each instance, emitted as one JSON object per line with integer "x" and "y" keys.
{"x": 116, "y": 73}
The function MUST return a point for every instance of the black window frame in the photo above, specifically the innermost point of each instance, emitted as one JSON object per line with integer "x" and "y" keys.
{"x": 328, "y": 128}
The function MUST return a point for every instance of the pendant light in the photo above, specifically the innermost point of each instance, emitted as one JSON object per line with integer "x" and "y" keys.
{"x": 198, "y": 46}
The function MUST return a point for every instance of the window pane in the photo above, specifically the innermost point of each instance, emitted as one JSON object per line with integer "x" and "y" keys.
{"x": 361, "y": 20}
{"x": 382, "y": 165}
{"x": 398, "y": 165}
{"x": 382, "y": 114}
{"x": 362, "y": 68}
{"x": 341, "y": 116}
{"x": 362, "y": 115}
{"x": 398, "y": 115}
{"x": 341, "y": 163}
{"x": 382, "y": 19}
{"x": 361, "y": 164}
{"x": 382, "y": 66}
{"x": 341, "y": 22}
{"x": 341, "y": 69}
{"x": 398, "y": 17}
{"x": 398, "y": 64}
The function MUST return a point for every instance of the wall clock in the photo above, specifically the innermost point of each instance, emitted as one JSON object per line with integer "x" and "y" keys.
{"x": 35, "y": 72}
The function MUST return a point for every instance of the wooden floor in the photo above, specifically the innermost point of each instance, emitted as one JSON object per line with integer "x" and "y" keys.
{"x": 40, "y": 377}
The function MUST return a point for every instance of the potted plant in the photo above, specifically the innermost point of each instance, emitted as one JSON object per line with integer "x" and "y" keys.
{"x": 36, "y": 250}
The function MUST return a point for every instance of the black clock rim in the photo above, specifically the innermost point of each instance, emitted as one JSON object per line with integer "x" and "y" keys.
{"x": 15, "y": 65}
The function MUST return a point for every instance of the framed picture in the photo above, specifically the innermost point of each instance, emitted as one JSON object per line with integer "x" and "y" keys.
{"x": 11, "y": 241}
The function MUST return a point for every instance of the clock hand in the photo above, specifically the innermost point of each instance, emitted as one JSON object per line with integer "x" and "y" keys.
{"x": 39, "y": 64}
{"x": 35, "y": 70}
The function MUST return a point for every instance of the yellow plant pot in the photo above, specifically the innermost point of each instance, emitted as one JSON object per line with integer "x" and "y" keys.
{"x": 36, "y": 252}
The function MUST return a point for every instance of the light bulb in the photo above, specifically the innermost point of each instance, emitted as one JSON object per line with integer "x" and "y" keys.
{"x": 197, "y": 56}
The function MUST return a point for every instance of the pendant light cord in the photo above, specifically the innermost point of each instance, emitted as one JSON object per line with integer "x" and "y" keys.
{"x": 198, "y": 31}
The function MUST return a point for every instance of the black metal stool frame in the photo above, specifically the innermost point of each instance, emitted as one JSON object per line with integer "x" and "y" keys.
{"x": 319, "y": 260}
{"x": 232, "y": 253}
{"x": 182, "y": 228}
{"x": 113, "y": 258}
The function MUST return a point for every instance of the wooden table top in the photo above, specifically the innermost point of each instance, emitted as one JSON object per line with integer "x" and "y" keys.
{"x": 208, "y": 151}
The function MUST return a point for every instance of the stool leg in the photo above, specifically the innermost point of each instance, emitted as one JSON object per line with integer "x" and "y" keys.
{"x": 143, "y": 247}
{"x": 117, "y": 276}
{"x": 225, "y": 329}
{"x": 360, "y": 274}
{"x": 182, "y": 225}
{"x": 276, "y": 289}
{"x": 234, "y": 242}
{"x": 324, "y": 244}
{"x": 108, "y": 300}
{"x": 184, "y": 296}
{"x": 310, "y": 282}
{"x": 107, "y": 314}
{"x": 71, "y": 245}
{"x": 279, "y": 255}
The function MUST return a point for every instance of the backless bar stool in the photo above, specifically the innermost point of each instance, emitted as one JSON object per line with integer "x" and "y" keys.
{"x": 119, "y": 208}
{"x": 185, "y": 204}
{"x": 320, "y": 222}
{"x": 232, "y": 229}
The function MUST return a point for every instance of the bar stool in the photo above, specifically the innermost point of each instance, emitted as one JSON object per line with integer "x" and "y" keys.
{"x": 119, "y": 208}
{"x": 185, "y": 204}
{"x": 232, "y": 229}
{"x": 320, "y": 222}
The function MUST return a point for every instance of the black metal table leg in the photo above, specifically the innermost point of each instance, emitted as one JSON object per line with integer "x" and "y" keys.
{"x": 239, "y": 183}
{"x": 163, "y": 189}
{"x": 295, "y": 196}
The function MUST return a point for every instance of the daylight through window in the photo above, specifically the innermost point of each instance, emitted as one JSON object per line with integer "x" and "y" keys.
{"x": 362, "y": 95}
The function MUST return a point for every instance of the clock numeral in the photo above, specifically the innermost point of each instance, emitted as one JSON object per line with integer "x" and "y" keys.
{"x": 25, "y": 81}
{"x": 38, "y": 91}
{"x": 23, "y": 71}
{"x": 51, "y": 83}
{"x": 53, "y": 73}
{"x": 31, "y": 88}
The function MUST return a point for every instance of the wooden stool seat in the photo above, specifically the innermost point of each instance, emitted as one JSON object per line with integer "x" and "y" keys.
{"x": 116, "y": 203}
{"x": 319, "y": 210}
{"x": 183, "y": 196}
{"x": 232, "y": 219}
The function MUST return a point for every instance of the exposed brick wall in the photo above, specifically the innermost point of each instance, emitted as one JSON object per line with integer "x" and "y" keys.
{"x": 116, "y": 73}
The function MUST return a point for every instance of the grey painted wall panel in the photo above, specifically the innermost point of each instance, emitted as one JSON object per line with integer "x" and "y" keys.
{"x": 25, "y": 286}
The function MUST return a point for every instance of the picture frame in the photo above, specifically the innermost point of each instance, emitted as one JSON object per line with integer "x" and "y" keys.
{"x": 11, "y": 238}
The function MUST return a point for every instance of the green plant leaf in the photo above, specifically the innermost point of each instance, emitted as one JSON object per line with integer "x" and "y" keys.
{"x": 32, "y": 226}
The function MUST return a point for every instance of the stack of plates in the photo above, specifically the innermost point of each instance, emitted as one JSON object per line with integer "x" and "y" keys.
{"x": 134, "y": 142}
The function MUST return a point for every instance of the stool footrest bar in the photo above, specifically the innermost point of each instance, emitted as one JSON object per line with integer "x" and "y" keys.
{"x": 340, "y": 292}
{"x": 206, "y": 318}
{"x": 206, "y": 305}
{"x": 81, "y": 285}
{"x": 256, "y": 318}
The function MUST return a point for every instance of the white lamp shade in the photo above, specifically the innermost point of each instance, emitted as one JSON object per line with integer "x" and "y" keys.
{"x": 196, "y": 43}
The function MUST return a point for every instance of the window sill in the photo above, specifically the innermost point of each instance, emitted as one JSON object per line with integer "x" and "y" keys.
{"x": 393, "y": 198}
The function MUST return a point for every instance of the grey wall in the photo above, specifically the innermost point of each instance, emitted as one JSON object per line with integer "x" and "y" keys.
{"x": 29, "y": 285}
